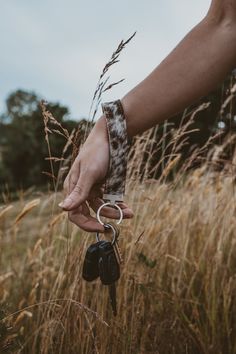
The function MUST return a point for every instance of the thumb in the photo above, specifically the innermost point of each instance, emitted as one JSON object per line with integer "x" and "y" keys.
{"x": 79, "y": 194}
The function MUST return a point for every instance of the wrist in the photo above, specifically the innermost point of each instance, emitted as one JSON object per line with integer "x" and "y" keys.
{"x": 99, "y": 132}
{"x": 101, "y": 127}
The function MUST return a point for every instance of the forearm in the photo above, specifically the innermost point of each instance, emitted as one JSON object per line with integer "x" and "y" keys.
{"x": 197, "y": 64}
{"x": 193, "y": 69}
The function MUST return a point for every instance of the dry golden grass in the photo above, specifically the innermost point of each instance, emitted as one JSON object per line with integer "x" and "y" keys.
{"x": 177, "y": 289}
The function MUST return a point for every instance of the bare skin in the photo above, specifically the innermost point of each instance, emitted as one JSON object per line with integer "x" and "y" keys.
{"x": 209, "y": 53}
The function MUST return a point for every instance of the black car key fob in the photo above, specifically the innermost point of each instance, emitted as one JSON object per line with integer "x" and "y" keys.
{"x": 109, "y": 268}
{"x": 90, "y": 270}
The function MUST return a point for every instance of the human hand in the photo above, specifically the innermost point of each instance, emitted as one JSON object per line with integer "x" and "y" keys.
{"x": 85, "y": 181}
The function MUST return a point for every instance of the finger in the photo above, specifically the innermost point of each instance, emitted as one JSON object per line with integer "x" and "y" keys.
{"x": 79, "y": 193}
{"x": 72, "y": 181}
{"x": 72, "y": 177}
{"x": 110, "y": 212}
{"x": 82, "y": 218}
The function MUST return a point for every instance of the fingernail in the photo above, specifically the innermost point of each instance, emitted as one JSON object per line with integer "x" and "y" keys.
{"x": 66, "y": 203}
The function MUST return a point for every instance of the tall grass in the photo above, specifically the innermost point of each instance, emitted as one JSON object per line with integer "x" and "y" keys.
{"x": 177, "y": 288}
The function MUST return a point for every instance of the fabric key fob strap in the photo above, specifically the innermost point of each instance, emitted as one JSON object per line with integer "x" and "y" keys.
{"x": 119, "y": 147}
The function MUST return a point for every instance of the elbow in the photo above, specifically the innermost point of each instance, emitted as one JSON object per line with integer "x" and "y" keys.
{"x": 221, "y": 17}
{"x": 222, "y": 13}
{"x": 221, "y": 20}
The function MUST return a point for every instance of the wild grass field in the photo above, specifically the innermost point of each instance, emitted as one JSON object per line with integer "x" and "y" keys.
{"x": 177, "y": 289}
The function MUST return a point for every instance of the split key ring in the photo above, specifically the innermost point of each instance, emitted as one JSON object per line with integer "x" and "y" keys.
{"x": 111, "y": 204}
{"x": 114, "y": 230}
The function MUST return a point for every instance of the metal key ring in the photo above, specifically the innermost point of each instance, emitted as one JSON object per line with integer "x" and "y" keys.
{"x": 115, "y": 233}
{"x": 115, "y": 205}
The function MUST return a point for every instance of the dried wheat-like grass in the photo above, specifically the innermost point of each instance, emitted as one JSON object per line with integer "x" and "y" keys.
{"x": 102, "y": 85}
{"x": 5, "y": 276}
{"x": 169, "y": 167}
{"x": 21, "y": 316}
{"x": 177, "y": 276}
{"x": 27, "y": 209}
{"x": 177, "y": 289}
{"x": 4, "y": 211}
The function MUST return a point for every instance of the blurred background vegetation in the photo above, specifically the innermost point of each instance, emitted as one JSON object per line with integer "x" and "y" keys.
{"x": 24, "y": 152}
{"x": 23, "y": 149}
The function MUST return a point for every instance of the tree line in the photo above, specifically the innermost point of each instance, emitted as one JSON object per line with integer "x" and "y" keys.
{"x": 24, "y": 152}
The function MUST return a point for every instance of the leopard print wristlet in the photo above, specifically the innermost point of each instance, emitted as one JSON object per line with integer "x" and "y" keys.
{"x": 119, "y": 146}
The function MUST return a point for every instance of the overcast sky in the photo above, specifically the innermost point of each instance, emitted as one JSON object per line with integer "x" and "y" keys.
{"x": 58, "y": 48}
